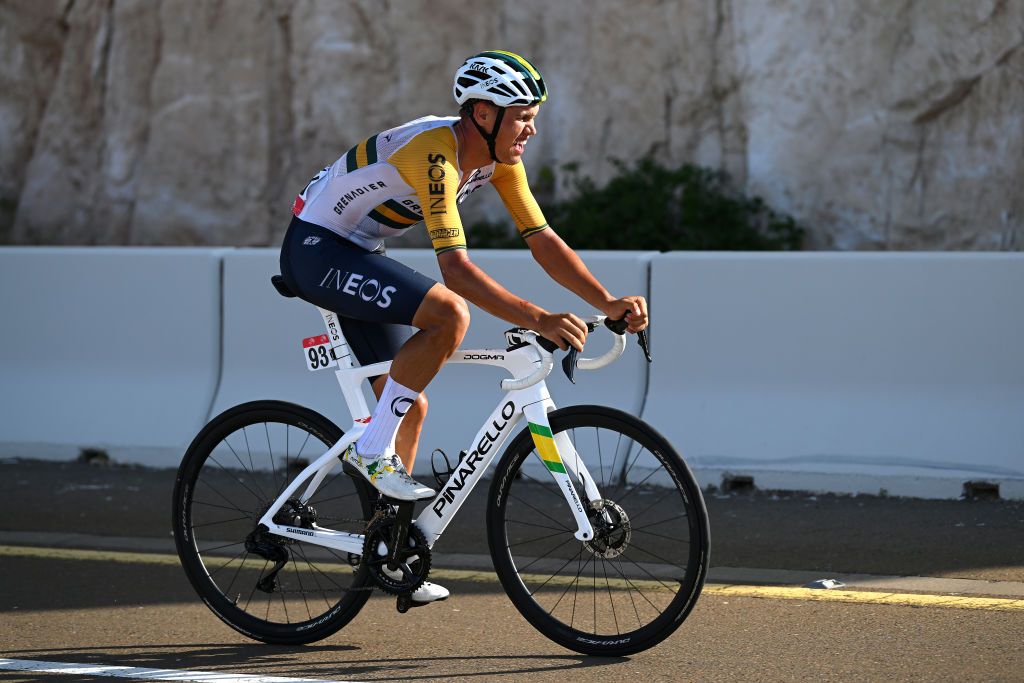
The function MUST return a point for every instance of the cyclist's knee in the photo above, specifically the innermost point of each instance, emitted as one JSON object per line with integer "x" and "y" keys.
{"x": 460, "y": 316}
{"x": 446, "y": 312}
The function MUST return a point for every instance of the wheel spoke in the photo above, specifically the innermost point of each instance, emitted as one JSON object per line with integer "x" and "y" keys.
{"x": 227, "y": 593}
{"x": 534, "y": 540}
{"x": 252, "y": 468}
{"x": 541, "y": 512}
{"x": 253, "y": 591}
{"x": 647, "y": 509}
{"x": 547, "y": 580}
{"x": 538, "y": 559}
{"x": 219, "y": 507}
{"x": 284, "y": 479}
{"x": 611, "y": 600}
{"x": 541, "y": 526}
{"x": 224, "y": 521}
{"x": 641, "y": 568}
{"x": 315, "y": 571}
{"x": 227, "y": 564}
{"x": 218, "y": 547}
{"x": 270, "y": 449}
{"x": 258, "y": 496}
{"x": 227, "y": 500}
{"x": 657, "y": 557}
{"x": 319, "y": 501}
{"x": 625, "y": 476}
{"x": 648, "y": 526}
{"x": 541, "y": 485}
{"x": 615, "y": 459}
{"x": 669, "y": 538}
{"x": 638, "y": 590}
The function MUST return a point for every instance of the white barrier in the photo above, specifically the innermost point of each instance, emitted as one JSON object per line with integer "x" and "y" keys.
{"x": 115, "y": 349}
{"x": 263, "y": 333}
{"x": 838, "y": 372}
{"x": 842, "y": 372}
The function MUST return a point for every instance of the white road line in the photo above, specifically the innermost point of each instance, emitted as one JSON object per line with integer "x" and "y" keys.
{"x": 146, "y": 674}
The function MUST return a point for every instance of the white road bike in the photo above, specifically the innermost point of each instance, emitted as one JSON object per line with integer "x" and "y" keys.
{"x": 596, "y": 527}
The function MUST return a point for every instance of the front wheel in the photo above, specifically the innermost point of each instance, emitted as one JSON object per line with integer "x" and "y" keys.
{"x": 638, "y": 579}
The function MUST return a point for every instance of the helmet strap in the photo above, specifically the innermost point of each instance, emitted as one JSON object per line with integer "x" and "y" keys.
{"x": 491, "y": 137}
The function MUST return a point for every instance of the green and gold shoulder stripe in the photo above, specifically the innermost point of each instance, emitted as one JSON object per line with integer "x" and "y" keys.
{"x": 363, "y": 154}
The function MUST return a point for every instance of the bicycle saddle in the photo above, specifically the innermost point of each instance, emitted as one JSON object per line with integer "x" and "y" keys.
{"x": 282, "y": 288}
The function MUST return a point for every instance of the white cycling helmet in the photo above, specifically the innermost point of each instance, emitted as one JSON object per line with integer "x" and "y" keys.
{"x": 504, "y": 78}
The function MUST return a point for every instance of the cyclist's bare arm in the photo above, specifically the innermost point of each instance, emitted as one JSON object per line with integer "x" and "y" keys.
{"x": 567, "y": 269}
{"x": 464, "y": 278}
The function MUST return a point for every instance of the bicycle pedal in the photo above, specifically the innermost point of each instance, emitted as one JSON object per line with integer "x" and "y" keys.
{"x": 404, "y": 602}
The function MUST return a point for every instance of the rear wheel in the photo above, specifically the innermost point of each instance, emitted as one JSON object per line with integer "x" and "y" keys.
{"x": 267, "y": 587}
{"x": 637, "y": 580}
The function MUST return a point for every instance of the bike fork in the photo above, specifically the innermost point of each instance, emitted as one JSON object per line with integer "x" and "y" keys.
{"x": 545, "y": 442}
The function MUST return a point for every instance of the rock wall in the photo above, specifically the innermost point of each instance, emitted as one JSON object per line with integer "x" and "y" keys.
{"x": 879, "y": 124}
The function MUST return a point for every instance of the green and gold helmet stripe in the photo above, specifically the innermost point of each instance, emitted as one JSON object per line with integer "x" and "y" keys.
{"x": 528, "y": 71}
{"x": 518, "y": 58}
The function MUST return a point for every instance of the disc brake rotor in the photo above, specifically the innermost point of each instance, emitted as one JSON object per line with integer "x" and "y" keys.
{"x": 611, "y": 529}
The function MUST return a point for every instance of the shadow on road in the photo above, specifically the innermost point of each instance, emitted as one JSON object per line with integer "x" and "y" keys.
{"x": 341, "y": 661}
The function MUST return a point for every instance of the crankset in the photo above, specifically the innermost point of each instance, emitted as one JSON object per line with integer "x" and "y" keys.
{"x": 396, "y": 554}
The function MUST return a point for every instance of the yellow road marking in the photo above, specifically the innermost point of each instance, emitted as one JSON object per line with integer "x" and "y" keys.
{"x": 476, "y": 576}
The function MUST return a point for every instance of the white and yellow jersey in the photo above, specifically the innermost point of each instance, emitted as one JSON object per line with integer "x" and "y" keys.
{"x": 393, "y": 180}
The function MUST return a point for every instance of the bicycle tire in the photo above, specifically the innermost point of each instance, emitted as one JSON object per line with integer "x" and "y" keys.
{"x": 636, "y": 584}
{"x": 223, "y": 491}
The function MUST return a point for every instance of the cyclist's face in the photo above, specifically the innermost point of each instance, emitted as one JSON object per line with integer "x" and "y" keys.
{"x": 518, "y": 126}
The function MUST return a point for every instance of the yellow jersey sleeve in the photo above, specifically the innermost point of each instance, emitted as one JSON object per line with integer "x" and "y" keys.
{"x": 510, "y": 182}
{"x": 427, "y": 164}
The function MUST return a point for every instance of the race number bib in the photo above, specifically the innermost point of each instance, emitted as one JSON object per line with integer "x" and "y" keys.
{"x": 317, "y": 351}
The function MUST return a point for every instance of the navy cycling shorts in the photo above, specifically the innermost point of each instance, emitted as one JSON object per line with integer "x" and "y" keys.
{"x": 375, "y": 297}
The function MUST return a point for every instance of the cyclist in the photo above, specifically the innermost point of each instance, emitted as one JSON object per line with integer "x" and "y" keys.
{"x": 333, "y": 254}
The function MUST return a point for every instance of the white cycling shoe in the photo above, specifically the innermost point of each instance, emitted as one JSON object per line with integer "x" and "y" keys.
{"x": 429, "y": 592}
{"x": 387, "y": 474}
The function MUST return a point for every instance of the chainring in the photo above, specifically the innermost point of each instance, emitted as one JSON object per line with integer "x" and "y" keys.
{"x": 412, "y": 564}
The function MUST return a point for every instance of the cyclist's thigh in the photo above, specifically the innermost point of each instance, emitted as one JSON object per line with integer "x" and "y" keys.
{"x": 374, "y": 342}
{"x": 331, "y": 272}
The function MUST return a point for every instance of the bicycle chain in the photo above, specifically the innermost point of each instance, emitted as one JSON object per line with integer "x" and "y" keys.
{"x": 377, "y": 514}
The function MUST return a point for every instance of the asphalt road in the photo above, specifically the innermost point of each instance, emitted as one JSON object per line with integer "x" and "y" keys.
{"x": 126, "y": 610}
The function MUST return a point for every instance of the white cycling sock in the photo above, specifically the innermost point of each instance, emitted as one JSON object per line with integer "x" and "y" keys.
{"x": 394, "y": 403}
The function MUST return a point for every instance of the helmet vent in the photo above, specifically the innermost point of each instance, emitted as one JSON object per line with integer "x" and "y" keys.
{"x": 502, "y": 78}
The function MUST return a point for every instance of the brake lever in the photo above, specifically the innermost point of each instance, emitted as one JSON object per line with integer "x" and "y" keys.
{"x": 641, "y": 339}
{"x": 572, "y": 355}
{"x": 569, "y": 363}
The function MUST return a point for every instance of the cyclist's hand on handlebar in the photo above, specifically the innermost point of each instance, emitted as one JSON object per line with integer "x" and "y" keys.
{"x": 633, "y": 307}
{"x": 564, "y": 329}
